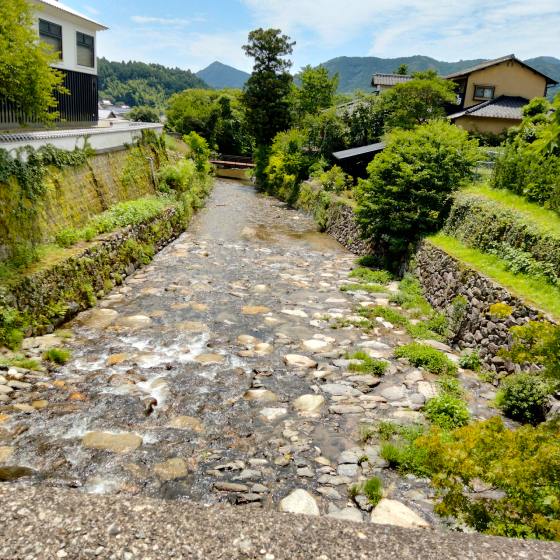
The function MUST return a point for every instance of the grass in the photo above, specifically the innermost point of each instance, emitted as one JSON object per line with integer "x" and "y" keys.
{"x": 21, "y": 362}
{"x": 545, "y": 220}
{"x": 58, "y": 356}
{"x": 371, "y": 276}
{"x": 530, "y": 289}
{"x": 367, "y": 365}
{"x": 422, "y": 355}
{"x": 370, "y": 288}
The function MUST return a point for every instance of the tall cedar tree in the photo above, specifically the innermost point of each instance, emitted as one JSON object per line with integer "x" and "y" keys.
{"x": 26, "y": 77}
{"x": 266, "y": 94}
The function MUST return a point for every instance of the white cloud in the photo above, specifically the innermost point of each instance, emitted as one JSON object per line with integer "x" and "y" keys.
{"x": 446, "y": 30}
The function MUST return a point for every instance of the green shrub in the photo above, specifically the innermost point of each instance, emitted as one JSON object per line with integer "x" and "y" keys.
{"x": 198, "y": 151}
{"x": 470, "y": 360}
{"x": 58, "y": 356}
{"x": 368, "y": 364}
{"x": 410, "y": 296}
{"x": 21, "y": 362}
{"x": 177, "y": 178}
{"x": 408, "y": 193}
{"x": 371, "y": 276}
{"x": 523, "y": 397}
{"x": 334, "y": 180}
{"x": 67, "y": 237}
{"x": 11, "y": 327}
{"x": 368, "y": 261}
{"x": 525, "y": 240}
{"x": 403, "y": 453}
{"x": 451, "y": 386}
{"x": 521, "y": 463}
{"x": 538, "y": 343}
{"x": 447, "y": 411}
{"x": 500, "y": 310}
{"x": 373, "y": 490}
{"x": 422, "y": 355}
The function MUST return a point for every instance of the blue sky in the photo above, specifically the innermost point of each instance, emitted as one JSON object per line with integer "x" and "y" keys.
{"x": 192, "y": 34}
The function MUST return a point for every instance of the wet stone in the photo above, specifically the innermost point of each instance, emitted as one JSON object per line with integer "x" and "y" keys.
{"x": 171, "y": 469}
{"x": 186, "y": 423}
{"x": 117, "y": 443}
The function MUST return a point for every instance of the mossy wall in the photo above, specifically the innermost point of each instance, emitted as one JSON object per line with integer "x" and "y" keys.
{"x": 75, "y": 194}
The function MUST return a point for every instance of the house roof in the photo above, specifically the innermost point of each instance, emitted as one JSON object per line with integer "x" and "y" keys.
{"x": 503, "y": 107}
{"x": 389, "y": 79}
{"x": 496, "y": 61}
{"x": 66, "y": 9}
{"x": 363, "y": 150}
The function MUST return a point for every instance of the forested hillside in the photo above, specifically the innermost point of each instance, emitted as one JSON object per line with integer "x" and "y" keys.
{"x": 356, "y": 72}
{"x": 138, "y": 83}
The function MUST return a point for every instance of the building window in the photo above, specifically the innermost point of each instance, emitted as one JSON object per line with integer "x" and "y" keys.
{"x": 484, "y": 92}
{"x": 86, "y": 50}
{"x": 51, "y": 34}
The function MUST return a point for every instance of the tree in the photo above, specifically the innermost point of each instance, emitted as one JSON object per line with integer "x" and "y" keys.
{"x": 144, "y": 114}
{"x": 402, "y": 70}
{"x": 266, "y": 93}
{"x": 408, "y": 192}
{"x": 317, "y": 90}
{"x": 417, "y": 101}
{"x": 26, "y": 78}
{"x": 218, "y": 116}
{"x": 364, "y": 122}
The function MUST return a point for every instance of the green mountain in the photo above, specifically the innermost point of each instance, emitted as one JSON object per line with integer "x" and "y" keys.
{"x": 356, "y": 72}
{"x": 551, "y": 67}
{"x": 220, "y": 76}
{"x": 138, "y": 83}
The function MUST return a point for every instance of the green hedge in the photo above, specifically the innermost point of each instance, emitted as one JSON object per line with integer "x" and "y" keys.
{"x": 486, "y": 225}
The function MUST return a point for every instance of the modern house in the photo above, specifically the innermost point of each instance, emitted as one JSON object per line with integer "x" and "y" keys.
{"x": 491, "y": 95}
{"x": 74, "y": 37}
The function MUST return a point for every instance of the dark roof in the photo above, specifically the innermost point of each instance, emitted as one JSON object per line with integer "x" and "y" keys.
{"x": 503, "y": 107}
{"x": 354, "y": 152}
{"x": 496, "y": 61}
{"x": 389, "y": 79}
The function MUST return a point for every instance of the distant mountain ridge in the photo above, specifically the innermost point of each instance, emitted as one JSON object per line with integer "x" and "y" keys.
{"x": 221, "y": 76}
{"x": 356, "y": 72}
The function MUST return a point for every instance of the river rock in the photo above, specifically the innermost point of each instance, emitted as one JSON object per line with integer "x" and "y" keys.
{"x": 209, "y": 359}
{"x": 117, "y": 443}
{"x": 295, "y": 313}
{"x": 309, "y": 404}
{"x": 254, "y": 310}
{"x": 393, "y": 512}
{"x": 98, "y": 318}
{"x": 300, "y": 501}
{"x": 246, "y": 340}
{"x": 272, "y": 414}
{"x": 192, "y": 327}
{"x": 393, "y": 393}
{"x": 263, "y": 349}
{"x": 347, "y": 514}
{"x": 315, "y": 345}
{"x": 298, "y": 361}
{"x": 339, "y": 390}
{"x": 5, "y": 453}
{"x": 427, "y": 390}
{"x": 134, "y": 322}
{"x": 115, "y": 359}
{"x": 260, "y": 395}
{"x": 230, "y": 487}
{"x": 171, "y": 469}
{"x": 186, "y": 423}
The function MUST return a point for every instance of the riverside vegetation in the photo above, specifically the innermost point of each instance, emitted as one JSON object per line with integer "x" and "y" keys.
{"x": 182, "y": 186}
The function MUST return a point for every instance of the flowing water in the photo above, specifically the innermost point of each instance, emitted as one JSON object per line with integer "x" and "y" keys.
{"x": 179, "y": 385}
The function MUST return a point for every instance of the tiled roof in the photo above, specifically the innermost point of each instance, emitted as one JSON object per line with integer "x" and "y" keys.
{"x": 494, "y": 62}
{"x": 389, "y": 79}
{"x": 25, "y": 136}
{"x": 353, "y": 152}
{"x": 503, "y": 107}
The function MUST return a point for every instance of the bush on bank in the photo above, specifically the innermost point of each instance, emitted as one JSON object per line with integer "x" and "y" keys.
{"x": 408, "y": 192}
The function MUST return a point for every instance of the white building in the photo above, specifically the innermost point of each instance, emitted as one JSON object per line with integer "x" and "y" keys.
{"x": 74, "y": 37}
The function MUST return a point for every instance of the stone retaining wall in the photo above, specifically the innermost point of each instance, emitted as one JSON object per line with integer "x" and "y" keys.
{"x": 444, "y": 279}
{"x": 51, "y": 296}
{"x": 342, "y": 225}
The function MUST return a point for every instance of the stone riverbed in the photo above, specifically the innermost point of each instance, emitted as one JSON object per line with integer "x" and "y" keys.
{"x": 214, "y": 375}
